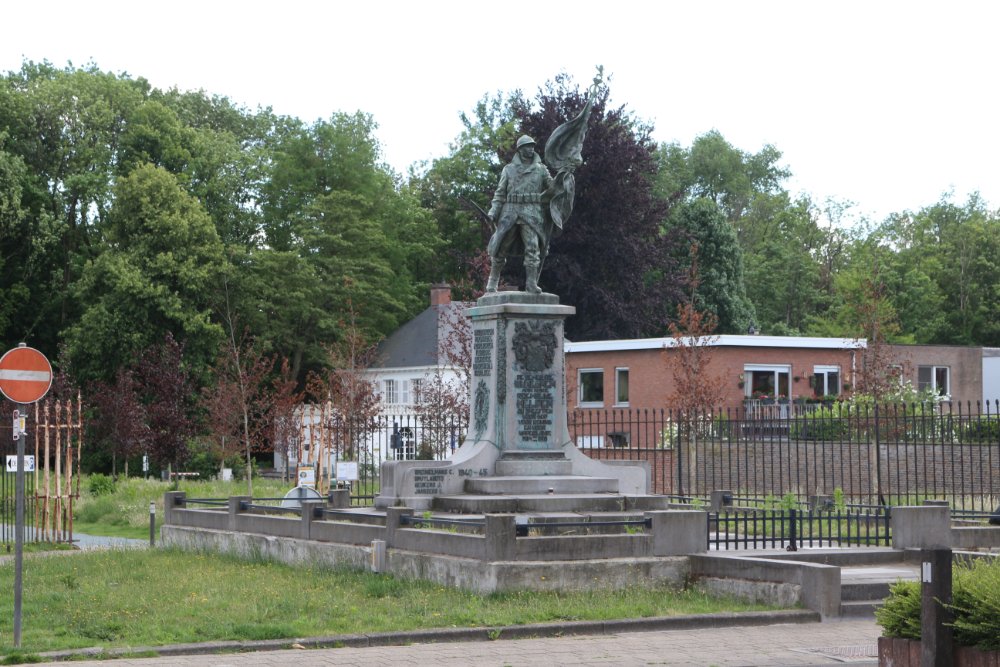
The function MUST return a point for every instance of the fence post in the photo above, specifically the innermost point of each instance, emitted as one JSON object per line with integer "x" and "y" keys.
{"x": 171, "y": 501}
{"x": 234, "y": 509}
{"x": 309, "y": 508}
{"x": 393, "y": 517}
{"x": 500, "y": 532}
{"x": 926, "y": 527}
{"x": 677, "y": 532}
{"x": 793, "y": 530}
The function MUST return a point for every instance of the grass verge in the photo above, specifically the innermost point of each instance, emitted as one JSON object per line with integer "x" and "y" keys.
{"x": 125, "y": 511}
{"x": 123, "y": 598}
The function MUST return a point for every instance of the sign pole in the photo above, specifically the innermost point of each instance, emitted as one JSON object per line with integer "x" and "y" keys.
{"x": 19, "y": 538}
{"x": 25, "y": 377}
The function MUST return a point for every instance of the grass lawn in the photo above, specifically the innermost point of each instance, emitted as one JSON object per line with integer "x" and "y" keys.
{"x": 150, "y": 597}
{"x": 125, "y": 513}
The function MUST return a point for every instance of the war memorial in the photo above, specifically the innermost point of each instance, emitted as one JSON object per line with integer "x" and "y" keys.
{"x": 518, "y": 506}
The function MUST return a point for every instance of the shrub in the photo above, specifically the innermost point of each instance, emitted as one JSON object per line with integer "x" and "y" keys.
{"x": 975, "y": 605}
{"x": 825, "y": 423}
{"x": 100, "y": 485}
{"x": 900, "y": 615}
{"x": 984, "y": 429}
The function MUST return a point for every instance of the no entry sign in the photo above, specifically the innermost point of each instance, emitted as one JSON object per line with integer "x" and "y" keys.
{"x": 25, "y": 374}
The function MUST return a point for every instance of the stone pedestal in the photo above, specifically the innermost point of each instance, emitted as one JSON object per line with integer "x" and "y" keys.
{"x": 518, "y": 422}
{"x": 519, "y": 372}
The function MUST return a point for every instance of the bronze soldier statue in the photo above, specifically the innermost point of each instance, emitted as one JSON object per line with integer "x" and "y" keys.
{"x": 530, "y": 206}
{"x": 518, "y": 211}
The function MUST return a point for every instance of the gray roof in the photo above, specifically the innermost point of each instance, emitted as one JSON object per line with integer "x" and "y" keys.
{"x": 417, "y": 342}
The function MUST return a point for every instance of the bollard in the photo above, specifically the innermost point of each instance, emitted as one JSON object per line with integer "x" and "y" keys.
{"x": 378, "y": 556}
{"x": 152, "y": 523}
{"x": 936, "y": 635}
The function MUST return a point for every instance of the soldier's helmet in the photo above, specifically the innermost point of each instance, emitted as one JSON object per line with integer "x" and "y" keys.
{"x": 524, "y": 141}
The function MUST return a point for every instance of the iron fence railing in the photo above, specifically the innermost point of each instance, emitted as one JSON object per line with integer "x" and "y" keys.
{"x": 792, "y": 529}
{"x": 860, "y": 455}
{"x": 872, "y": 455}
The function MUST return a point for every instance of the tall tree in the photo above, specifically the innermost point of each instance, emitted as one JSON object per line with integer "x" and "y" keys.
{"x": 720, "y": 288}
{"x": 164, "y": 257}
{"x": 121, "y": 427}
{"x": 168, "y": 393}
{"x": 612, "y": 261}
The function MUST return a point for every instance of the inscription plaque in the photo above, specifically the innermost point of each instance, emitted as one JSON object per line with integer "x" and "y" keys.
{"x": 428, "y": 481}
{"x": 535, "y": 402}
{"x": 482, "y": 362}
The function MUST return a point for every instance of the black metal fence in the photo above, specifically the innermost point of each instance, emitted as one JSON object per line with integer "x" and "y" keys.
{"x": 869, "y": 455}
{"x": 861, "y": 454}
{"x": 792, "y": 529}
{"x": 385, "y": 438}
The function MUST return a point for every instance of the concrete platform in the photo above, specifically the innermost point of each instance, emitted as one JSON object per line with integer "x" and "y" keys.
{"x": 547, "y": 502}
{"x": 538, "y": 485}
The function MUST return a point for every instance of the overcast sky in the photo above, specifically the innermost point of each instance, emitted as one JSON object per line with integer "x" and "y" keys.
{"x": 884, "y": 104}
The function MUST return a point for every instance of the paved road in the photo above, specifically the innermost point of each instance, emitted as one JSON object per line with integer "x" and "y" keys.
{"x": 832, "y": 643}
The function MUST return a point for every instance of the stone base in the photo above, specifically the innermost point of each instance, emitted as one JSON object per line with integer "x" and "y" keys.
{"x": 468, "y": 573}
{"x": 514, "y": 462}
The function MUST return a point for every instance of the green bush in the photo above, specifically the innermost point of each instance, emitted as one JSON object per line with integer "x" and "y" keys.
{"x": 984, "y": 429}
{"x": 825, "y": 423}
{"x": 975, "y": 605}
{"x": 101, "y": 485}
{"x": 900, "y": 615}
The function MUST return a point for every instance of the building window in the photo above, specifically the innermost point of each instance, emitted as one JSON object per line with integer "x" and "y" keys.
{"x": 826, "y": 381}
{"x": 592, "y": 387}
{"x": 621, "y": 386}
{"x": 416, "y": 386}
{"x": 934, "y": 377}
{"x": 391, "y": 392}
{"x": 767, "y": 381}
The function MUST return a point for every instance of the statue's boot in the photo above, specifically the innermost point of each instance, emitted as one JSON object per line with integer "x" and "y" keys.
{"x": 495, "y": 268}
{"x": 531, "y": 278}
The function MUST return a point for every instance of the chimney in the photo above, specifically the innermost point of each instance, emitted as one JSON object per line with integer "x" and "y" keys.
{"x": 440, "y": 294}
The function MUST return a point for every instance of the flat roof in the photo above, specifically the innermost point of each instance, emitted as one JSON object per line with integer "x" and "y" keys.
{"x": 800, "y": 342}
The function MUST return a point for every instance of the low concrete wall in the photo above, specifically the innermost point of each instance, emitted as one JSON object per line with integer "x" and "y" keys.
{"x": 814, "y": 585}
{"x": 921, "y": 527}
{"x": 469, "y": 573}
{"x": 583, "y": 547}
{"x": 972, "y": 537}
{"x": 671, "y": 533}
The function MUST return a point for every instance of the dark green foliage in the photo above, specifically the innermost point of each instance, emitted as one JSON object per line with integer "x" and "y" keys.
{"x": 721, "y": 289}
{"x": 824, "y": 423}
{"x": 982, "y": 430}
{"x": 101, "y": 485}
{"x": 975, "y": 606}
{"x": 900, "y": 615}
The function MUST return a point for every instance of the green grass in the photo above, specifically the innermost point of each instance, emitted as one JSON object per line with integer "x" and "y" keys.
{"x": 152, "y": 597}
{"x": 125, "y": 512}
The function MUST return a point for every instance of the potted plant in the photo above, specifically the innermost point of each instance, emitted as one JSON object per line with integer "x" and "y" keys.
{"x": 976, "y": 609}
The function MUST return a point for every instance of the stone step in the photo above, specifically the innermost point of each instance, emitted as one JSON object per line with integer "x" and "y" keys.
{"x": 521, "y": 467}
{"x": 864, "y": 591}
{"x": 528, "y": 462}
{"x": 859, "y": 608}
{"x": 548, "y": 502}
{"x": 538, "y": 485}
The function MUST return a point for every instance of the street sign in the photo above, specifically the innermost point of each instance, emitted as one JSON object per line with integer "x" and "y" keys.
{"x": 29, "y": 463}
{"x": 25, "y": 374}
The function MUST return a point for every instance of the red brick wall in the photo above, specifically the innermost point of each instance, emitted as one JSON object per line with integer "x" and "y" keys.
{"x": 651, "y": 385}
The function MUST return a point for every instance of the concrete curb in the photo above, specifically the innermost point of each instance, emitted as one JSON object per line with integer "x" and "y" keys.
{"x": 439, "y": 635}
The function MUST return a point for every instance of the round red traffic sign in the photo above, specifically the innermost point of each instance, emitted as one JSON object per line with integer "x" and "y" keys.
{"x": 25, "y": 374}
